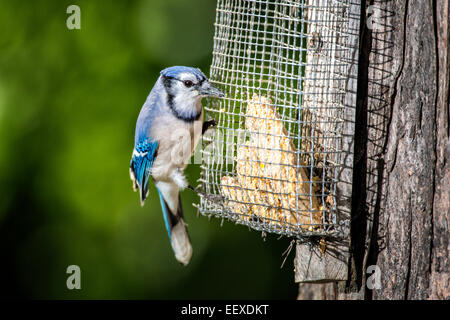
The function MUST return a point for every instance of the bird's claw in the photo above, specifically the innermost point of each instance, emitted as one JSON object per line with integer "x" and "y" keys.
{"x": 212, "y": 122}
{"x": 217, "y": 199}
{"x": 208, "y": 124}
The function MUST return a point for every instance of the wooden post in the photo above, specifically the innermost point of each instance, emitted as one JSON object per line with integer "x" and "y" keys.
{"x": 401, "y": 170}
{"x": 328, "y": 123}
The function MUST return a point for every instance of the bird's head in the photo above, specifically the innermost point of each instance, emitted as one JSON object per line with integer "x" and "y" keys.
{"x": 185, "y": 86}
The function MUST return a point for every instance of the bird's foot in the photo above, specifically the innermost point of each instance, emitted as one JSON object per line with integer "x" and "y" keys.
{"x": 208, "y": 124}
{"x": 217, "y": 199}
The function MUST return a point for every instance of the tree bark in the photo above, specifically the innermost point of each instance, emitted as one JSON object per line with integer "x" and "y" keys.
{"x": 401, "y": 178}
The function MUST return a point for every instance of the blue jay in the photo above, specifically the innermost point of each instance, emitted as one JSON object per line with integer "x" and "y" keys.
{"x": 167, "y": 131}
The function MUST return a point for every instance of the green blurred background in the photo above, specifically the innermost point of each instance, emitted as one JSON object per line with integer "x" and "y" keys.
{"x": 69, "y": 100}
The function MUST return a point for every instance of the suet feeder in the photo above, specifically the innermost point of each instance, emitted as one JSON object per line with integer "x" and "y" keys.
{"x": 281, "y": 157}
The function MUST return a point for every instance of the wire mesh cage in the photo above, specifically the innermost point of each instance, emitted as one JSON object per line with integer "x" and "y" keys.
{"x": 275, "y": 157}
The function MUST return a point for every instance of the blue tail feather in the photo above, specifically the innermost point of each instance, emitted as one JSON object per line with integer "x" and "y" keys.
{"x": 165, "y": 213}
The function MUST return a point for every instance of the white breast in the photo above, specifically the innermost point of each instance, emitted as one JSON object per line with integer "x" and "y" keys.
{"x": 177, "y": 142}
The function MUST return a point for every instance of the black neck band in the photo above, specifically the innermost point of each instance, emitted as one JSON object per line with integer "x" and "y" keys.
{"x": 186, "y": 118}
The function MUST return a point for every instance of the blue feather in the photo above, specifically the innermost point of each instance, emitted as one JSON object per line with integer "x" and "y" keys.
{"x": 165, "y": 213}
{"x": 143, "y": 157}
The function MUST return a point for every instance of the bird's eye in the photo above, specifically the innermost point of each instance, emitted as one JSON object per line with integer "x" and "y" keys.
{"x": 188, "y": 83}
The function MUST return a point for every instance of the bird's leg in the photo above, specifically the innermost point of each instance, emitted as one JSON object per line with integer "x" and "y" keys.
{"x": 208, "y": 124}
{"x": 179, "y": 179}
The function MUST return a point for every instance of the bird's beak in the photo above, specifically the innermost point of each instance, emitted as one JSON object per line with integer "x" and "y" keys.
{"x": 209, "y": 91}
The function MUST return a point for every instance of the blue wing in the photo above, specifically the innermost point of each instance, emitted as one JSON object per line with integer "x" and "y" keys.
{"x": 144, "y": 154}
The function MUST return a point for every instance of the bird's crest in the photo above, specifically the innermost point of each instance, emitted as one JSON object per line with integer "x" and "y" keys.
{"x": 173, "y": 72}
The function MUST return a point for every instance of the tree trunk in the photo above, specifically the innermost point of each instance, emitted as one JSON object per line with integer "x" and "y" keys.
{"x": 401, "y": 178}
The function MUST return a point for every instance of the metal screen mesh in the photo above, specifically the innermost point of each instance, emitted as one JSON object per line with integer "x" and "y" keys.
{"x": 274, "y": 158}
